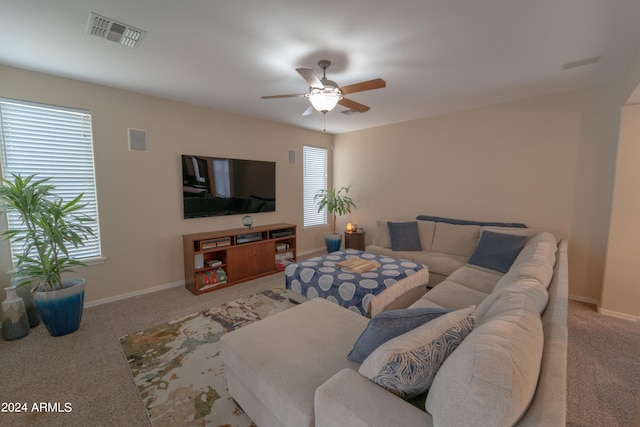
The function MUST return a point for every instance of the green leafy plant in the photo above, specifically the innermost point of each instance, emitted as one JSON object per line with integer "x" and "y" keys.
{"x": 335, "y": 203}
{"x": 50, "y": 226}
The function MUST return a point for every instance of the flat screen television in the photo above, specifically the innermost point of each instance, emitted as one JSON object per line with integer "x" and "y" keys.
{"x": 214, "y": 186}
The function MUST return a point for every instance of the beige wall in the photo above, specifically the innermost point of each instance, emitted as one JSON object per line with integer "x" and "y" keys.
{"x": 621, "y": 291}
{"x": 547, "y": 162}
{"x": 621, "y": 286}
{"x": 139, "y": 193}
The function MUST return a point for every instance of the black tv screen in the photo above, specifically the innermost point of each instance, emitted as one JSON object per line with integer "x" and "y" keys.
{"x": 213, "y": 186}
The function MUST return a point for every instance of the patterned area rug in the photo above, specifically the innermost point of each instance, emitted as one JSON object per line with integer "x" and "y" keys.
{"x": 177, "y": 365}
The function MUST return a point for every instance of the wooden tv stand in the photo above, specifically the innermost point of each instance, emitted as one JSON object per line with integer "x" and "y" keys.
{"x": 243, "y": 253}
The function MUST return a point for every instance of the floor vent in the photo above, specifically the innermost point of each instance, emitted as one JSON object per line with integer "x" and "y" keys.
{"x": 107, "y": 28}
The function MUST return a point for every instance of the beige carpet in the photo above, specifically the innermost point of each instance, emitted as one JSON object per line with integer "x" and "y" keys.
{"x": 87, "y": 369}
{"x": 604, "y": 368}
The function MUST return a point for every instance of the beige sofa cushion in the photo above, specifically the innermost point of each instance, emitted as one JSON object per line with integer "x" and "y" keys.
{"x": 451, "y": 295}
{"x": 535, "y": 261}
{"x": 383, "y": 238}
{"x": 408, "y": 255}
{"x": 472, "y": 387}
{"x": 426, "y": 230}
{"x": 284, "y": 358}
{"x": 455, "y": 239}
{"x": 441, "y": 263}
{"x": 531, "y": 288}
{"x": 475, "y": 277}
{"x": 529, "y": 232}
{"x": 350, "y": 400}
{"x": 468, "y": 285}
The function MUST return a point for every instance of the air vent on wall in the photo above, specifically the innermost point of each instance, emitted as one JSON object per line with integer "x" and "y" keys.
{"x": 107, "y": 28}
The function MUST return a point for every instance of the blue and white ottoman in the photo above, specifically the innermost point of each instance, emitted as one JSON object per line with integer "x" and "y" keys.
{"x": 397, "y": 283}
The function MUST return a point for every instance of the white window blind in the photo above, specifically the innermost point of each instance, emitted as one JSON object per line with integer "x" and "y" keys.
{"x": 315, "y": 179}
{"x": 53, "y": 142}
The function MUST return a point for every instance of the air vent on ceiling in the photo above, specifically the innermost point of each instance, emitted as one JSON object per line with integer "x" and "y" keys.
{"x": 114, "y": 31}
{"x": 581, "y": 62}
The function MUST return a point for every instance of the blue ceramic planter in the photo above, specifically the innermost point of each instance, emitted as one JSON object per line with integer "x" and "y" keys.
{"x": 61, "y": 310}
{"x": 332, "y": 242}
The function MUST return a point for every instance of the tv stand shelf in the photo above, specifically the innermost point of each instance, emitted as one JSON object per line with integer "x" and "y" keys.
{"x": 219, "y": 259}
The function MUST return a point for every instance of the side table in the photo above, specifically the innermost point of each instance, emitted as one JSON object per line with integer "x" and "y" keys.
{"x": 354, "y": 240}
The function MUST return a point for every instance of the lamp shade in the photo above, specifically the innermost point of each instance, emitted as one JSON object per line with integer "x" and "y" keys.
{"x": 324, "y": 100}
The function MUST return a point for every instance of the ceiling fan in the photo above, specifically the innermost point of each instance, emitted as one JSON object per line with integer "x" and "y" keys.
{"x": 324, "y": 94}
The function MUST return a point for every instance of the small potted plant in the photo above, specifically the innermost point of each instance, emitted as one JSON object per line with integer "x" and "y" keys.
{"x": 50, "y": 226}
{"x": 337, "y": 204}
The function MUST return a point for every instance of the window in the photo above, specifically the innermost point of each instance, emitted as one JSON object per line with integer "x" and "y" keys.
{"x": 52, "y": 142}
{"x": 315, "y": 179}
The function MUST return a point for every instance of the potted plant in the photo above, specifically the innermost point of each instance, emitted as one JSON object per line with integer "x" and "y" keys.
{"x": 50, "y": 226}
{"x": 337, "y": 204}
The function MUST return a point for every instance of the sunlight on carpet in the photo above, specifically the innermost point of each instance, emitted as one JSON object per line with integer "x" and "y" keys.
{"x": 177, "y": 367}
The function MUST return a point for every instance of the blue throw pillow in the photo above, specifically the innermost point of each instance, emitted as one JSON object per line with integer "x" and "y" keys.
{"x": 404, "y": 236}
{"x": 497, "y": 251}
{"x": 390, "y": 324}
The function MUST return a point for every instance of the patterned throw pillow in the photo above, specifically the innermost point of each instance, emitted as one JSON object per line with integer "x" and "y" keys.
{"x": 390, "y": 324}
{"x": 407, "y": 364}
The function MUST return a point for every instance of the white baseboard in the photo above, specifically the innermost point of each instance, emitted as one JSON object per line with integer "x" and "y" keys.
{"x": 134, "y": 294}
{"x": 604, "y": 311}
{"x": 618, "y": 315}
{"x": 312, "y": 251}
{"x": 163, "y": 287}
{"x": 584, "y": 299}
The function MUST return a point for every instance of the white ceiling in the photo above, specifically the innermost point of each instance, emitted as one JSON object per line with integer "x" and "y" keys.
{"x": 436, "y": 56}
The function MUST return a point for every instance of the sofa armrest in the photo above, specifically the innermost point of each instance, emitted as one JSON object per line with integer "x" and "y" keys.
{"x": 349, "y": 399}
{"x": 402, "y": 294}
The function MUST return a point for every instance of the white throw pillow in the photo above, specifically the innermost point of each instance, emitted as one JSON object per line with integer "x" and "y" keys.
{"x": 406, "y": 365}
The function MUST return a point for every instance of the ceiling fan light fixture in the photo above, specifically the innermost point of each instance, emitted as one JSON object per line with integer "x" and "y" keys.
{"x": 325, "y": 100}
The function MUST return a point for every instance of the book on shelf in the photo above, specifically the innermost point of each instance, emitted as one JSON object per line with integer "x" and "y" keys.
{"x": 284, "y": 259}
{"x": 284, "y": 255}
{"x": 210, "y": 278}
{"x": 214, "y": 243}
{"x": 282, "y": 264}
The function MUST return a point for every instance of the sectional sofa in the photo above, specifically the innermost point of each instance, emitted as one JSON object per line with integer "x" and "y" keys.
{"x": 504, "y": 333}
{"x": 443, "y": 244}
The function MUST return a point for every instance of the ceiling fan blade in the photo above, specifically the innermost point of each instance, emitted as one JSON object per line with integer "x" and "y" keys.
{"x": 353, "y": 105}
{"x": 309, "y": 111}
{"x": 359, "y": 87}
{"x": 299, "y": 95}
{"x": 311, "y": 77}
